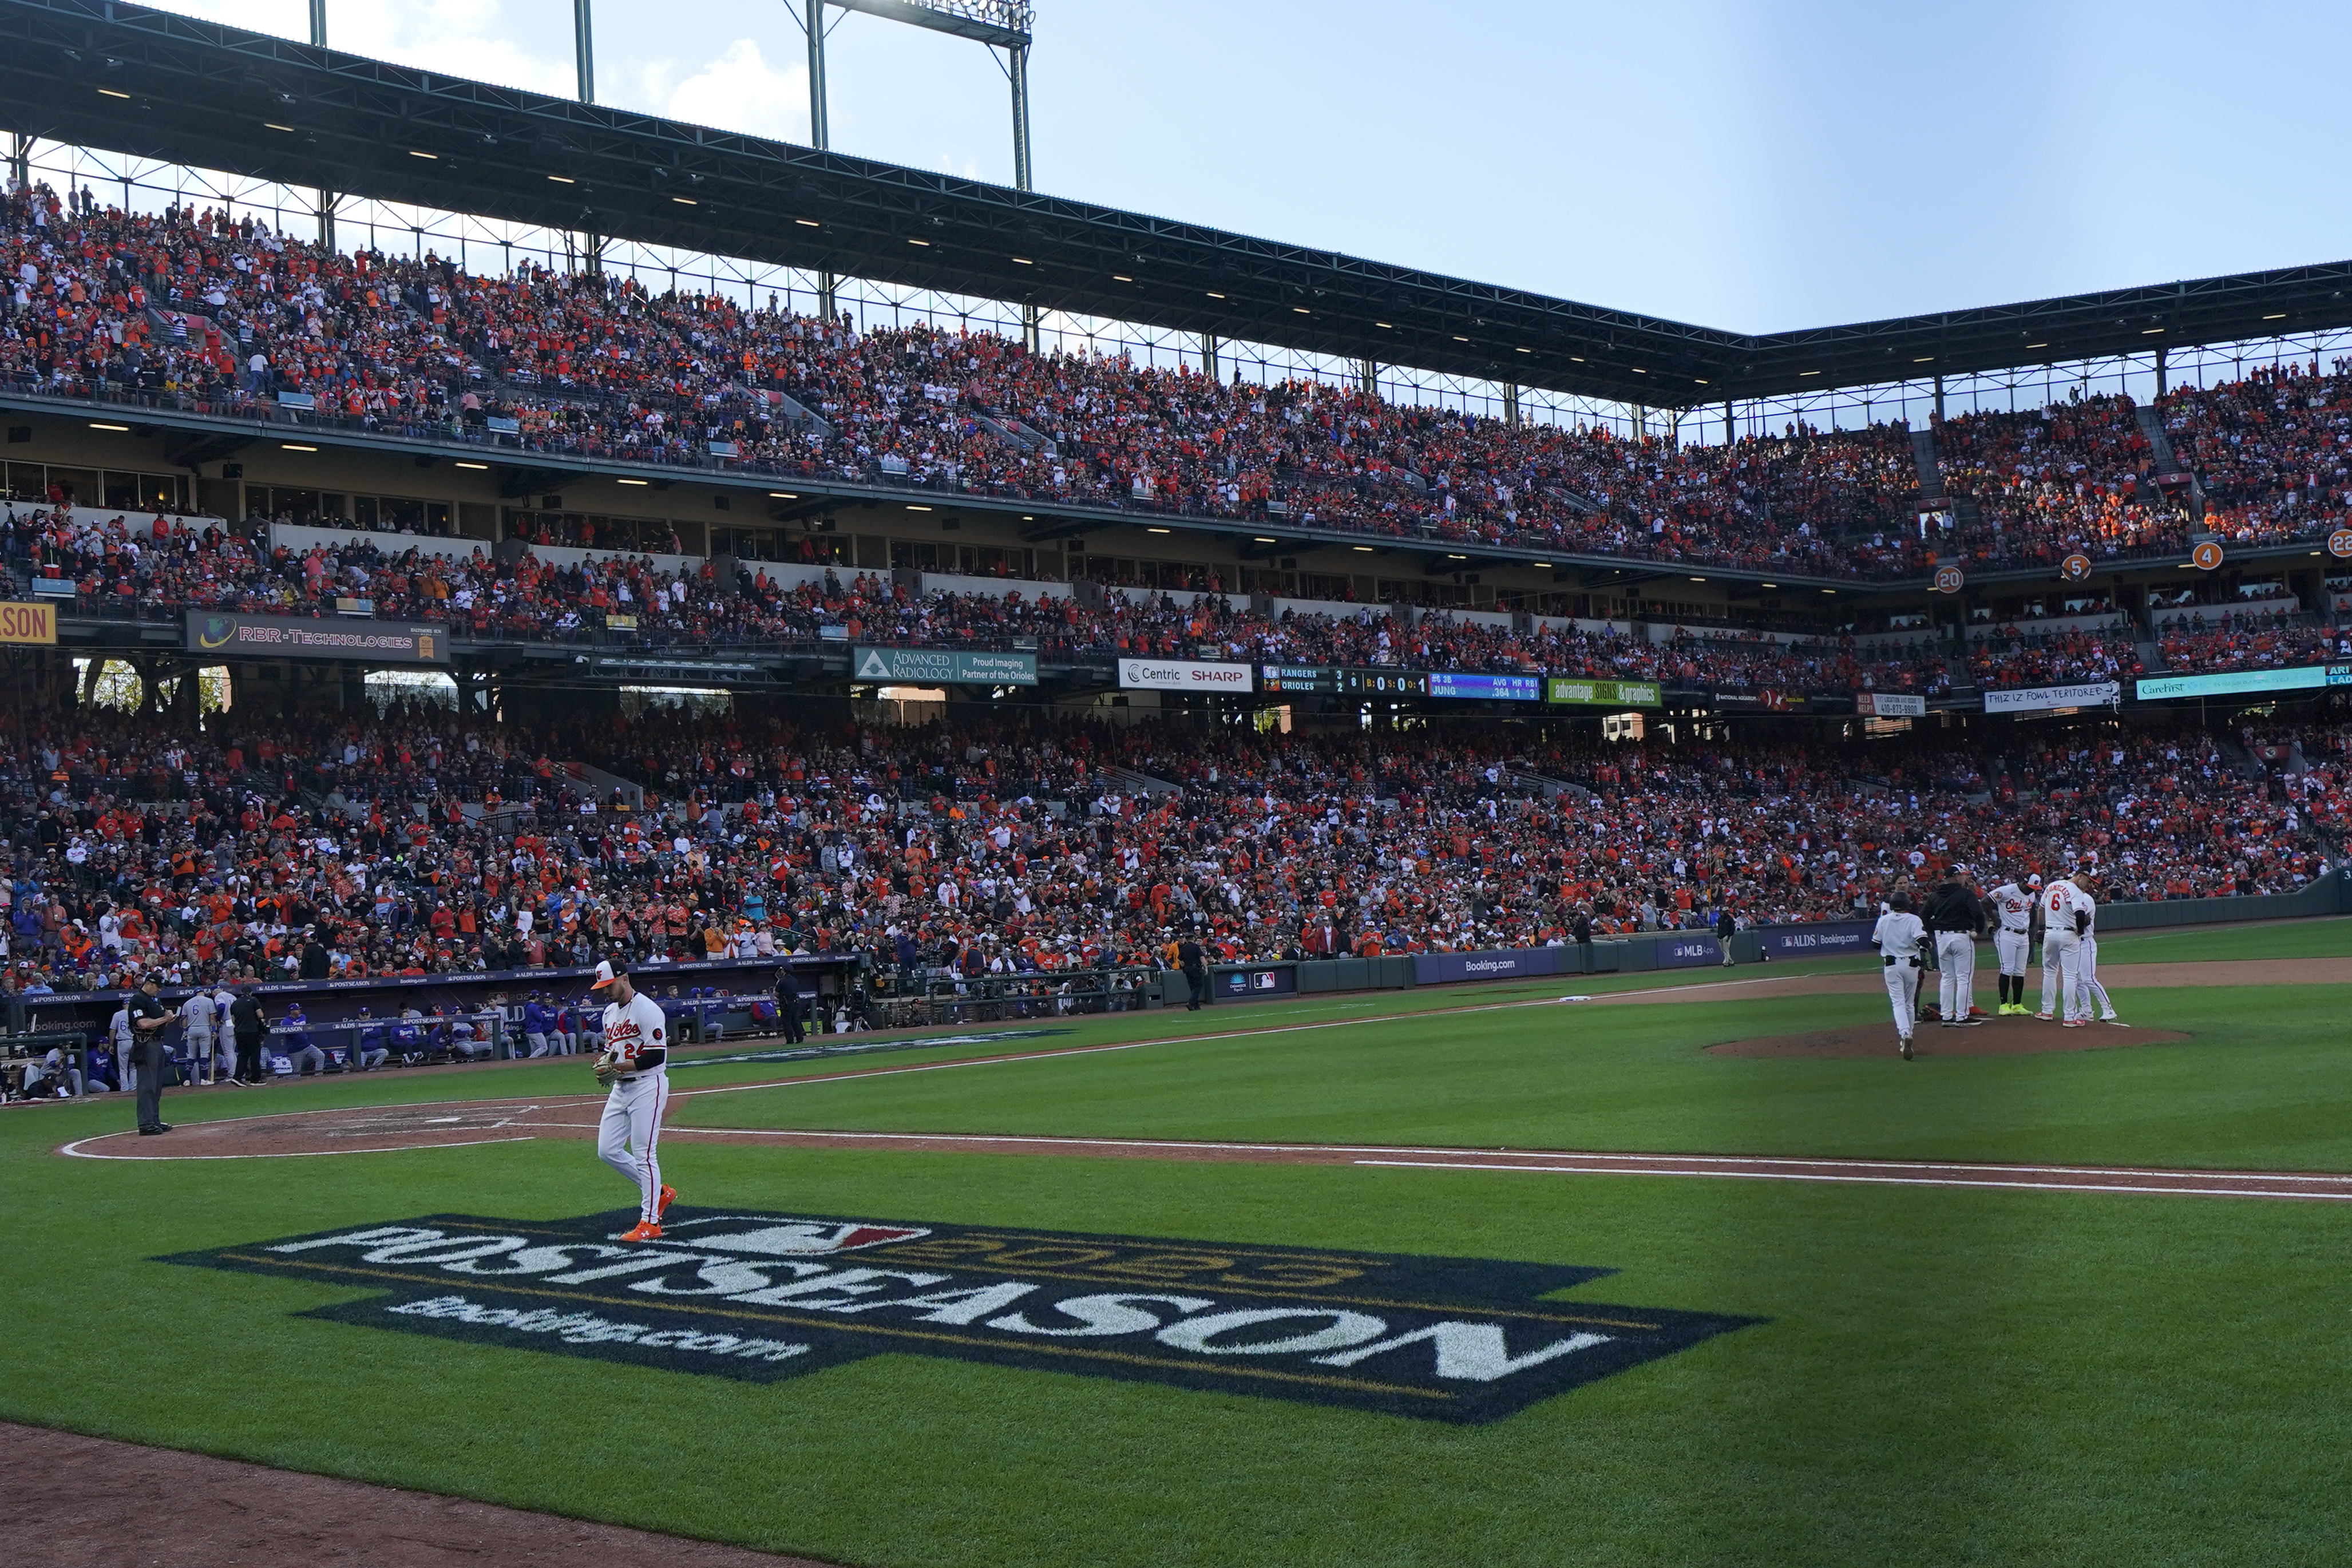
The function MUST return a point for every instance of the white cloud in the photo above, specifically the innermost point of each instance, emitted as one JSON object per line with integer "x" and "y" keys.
{"x": 740, "y": 91}
{"x": 469, "y": 37}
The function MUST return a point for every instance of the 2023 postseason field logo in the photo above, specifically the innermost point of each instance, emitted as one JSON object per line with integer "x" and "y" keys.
{"x": 767, "y": 1297}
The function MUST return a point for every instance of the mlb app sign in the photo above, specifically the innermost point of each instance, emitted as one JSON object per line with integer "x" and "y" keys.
{"x": 767, "y": 1297}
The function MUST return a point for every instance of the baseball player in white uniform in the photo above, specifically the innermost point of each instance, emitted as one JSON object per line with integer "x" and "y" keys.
{"x": 635, "y": 1063}
{"x": 2064, "y": 911}
{"x": 1899, "y": 937}
{"x": 2012, "y": 939}
{"x": 2087, "y": 988}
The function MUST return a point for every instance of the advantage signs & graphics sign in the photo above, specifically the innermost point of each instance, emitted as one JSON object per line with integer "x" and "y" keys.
{"x": 768, "y": 1297}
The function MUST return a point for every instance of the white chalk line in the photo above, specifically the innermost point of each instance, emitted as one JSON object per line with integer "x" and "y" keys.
{"x": 78, "y": 1153}
{"x": 2192, "y": 1192}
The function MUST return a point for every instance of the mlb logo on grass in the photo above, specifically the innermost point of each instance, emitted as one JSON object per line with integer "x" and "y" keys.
{"x": 770, "y": 1297}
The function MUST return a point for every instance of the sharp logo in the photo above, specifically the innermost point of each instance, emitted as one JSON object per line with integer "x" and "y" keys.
{"x": 769, "y": 1297}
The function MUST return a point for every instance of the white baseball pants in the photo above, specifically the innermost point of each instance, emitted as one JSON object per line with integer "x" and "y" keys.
{"x": 1956, "y": 964}
{"x": 1902, "y": 990}
{"x": 2008, "y": 949}
{"x": 2062, "y": 968}
{"x": 2087, "y": 988}
{"x": 630, "y": 1133}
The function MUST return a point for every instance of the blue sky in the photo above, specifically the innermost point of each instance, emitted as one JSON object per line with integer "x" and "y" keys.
{"x": 1743, "y": 165}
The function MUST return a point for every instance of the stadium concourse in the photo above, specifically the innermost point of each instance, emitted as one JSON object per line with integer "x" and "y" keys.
{"x": 194, "y": 310}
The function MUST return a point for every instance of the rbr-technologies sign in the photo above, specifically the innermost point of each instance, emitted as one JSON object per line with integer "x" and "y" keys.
{"x": 767, "y": 1297}
{"x": 296, "y": 636}
{"x": 931, "y": 666}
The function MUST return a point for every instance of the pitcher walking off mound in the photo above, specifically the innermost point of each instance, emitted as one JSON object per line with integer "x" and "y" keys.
{"x": 635, "y": 1063}
{"x": 1898, "y": 938}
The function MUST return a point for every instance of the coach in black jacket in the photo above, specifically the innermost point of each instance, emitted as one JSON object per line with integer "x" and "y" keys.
{"x": 1954, "y": 916}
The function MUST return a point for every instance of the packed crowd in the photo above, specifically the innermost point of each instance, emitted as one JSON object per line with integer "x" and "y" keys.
{"x": 2010, "y": 658}
{"x": 2194, "y": 647}
{"x": 344, "y": 847}
{"x": 195, "y": 307}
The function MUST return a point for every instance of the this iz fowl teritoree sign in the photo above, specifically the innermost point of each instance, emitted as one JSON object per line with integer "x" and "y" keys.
{"x": 295, "y": 636}
{"x": 767, "y": 1297}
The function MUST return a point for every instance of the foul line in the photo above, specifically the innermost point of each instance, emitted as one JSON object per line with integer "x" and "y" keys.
{"x": 2192, "y": 1191}
{"x": 76, "y": 1150}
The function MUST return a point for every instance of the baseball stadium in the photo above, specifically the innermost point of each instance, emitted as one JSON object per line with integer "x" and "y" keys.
{"x": 723, "y": 852}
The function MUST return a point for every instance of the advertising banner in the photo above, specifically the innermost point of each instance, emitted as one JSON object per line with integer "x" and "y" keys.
{"x": 1890, "y": 704}
{"x": 1274, "y": 980}
{"x": 942, "y": 667}
{"x": 2230, "y": 682}
{"x": 291, "y": 637}
{"x": 1486, "y": 688}
{"x": 1604, "y": 693}
{"x": 1185, "y": 675}
{"x": 28, "y": 623}
{"x": 2040, "y": 698}
{"x": 1687, "y": 950}
{"x": 1442, "y": 968}
{"x": 1829, "y": 939}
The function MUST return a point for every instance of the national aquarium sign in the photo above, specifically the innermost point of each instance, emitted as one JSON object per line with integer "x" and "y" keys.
{"x": 768, "y": 1297}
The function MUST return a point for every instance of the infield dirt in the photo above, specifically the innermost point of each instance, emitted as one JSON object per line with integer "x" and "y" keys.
{"x": 68, "y": 1505}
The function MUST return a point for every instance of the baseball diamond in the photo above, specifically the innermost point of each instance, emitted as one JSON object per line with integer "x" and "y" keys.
{"x": 739, "y": 836}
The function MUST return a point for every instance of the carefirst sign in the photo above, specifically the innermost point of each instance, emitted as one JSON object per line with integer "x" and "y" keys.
{"x": 296, "y": 636}
{"x": 766, "y": 1297}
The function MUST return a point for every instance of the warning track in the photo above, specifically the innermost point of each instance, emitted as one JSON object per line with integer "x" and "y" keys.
{"x": 385, "y": 1129}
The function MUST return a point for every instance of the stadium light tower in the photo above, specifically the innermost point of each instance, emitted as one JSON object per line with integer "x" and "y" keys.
{"x": 999, "y": 24}
{"x": 326, "y": 196}
{"x": 583, "y": 54}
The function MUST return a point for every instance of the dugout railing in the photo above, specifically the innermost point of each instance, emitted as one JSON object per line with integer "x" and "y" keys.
{"x": 909, "y": 999}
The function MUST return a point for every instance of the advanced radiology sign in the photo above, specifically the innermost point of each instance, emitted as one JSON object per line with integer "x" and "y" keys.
{"x": 767, "y": 1297}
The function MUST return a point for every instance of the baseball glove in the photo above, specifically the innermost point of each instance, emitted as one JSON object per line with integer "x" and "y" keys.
{"x": 607, "y": 1068}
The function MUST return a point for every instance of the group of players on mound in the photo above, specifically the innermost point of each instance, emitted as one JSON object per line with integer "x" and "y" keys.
{"x": 1943, "y": 936}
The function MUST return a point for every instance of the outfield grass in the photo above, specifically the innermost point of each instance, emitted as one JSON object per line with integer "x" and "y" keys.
{"x": 1945, "y": 1377}
{"x": 2261, "y": 1085}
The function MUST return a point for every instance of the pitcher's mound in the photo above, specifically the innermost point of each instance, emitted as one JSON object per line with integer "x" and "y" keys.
{"x": 1995, "y": 1036}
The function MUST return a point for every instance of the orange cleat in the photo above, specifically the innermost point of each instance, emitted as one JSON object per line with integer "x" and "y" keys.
{"x": 661, "y": 1206}
{"x": 646, "y": 1230}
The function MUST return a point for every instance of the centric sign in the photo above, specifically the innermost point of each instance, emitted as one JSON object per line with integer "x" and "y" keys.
{"x": 2075, "y": 567}
{"x": 2206, "y": 556}
{"x": 1949, "y": 579}
{"x": 2339, "y": 543}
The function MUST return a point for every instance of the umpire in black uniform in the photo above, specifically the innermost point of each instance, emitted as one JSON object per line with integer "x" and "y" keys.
{"x": 150, "y": 1022}
{"x": 791, "y": 1008}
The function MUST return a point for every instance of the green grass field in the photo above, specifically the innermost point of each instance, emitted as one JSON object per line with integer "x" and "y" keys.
{"x": 1944, "y": 1376}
